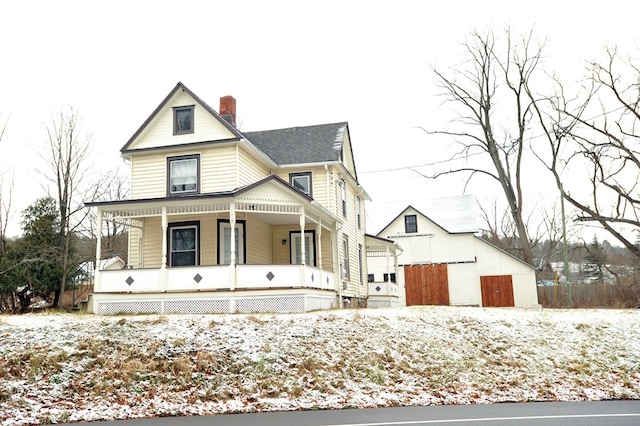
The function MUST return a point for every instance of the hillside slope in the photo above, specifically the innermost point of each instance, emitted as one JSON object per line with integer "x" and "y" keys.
{"x": 64, "y": 367}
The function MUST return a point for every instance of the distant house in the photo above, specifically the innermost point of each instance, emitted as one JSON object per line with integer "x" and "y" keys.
{"x": 443, "y": 262}
{"x": 222, "y": 220}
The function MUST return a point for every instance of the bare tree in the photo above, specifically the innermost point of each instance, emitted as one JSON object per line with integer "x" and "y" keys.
{"x": 596, "y": 134}
{"x": 67, "y": 155}
{"x": 5, "y": 198}
{"x": 490, "y": 83}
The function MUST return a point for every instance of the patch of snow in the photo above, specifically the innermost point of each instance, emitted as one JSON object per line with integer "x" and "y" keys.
{"x": 57, "y": 368}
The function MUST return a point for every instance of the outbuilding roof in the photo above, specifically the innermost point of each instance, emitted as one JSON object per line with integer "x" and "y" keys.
{"x": 457, "y": 215}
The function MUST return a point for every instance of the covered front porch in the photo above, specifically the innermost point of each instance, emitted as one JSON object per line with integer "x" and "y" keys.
{"x": 267, "y": 243}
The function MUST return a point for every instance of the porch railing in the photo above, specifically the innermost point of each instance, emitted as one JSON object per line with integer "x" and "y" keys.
{"x": 211, "y": 278}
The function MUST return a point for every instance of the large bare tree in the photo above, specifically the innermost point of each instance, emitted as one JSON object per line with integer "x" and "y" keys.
{"x": 67, "y": 156}
{"x": 593, "y": 141}
{"x": 487, "y": 92}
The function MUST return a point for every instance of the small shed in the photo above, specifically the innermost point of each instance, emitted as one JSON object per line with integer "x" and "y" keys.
{"x": 443, "y": 262}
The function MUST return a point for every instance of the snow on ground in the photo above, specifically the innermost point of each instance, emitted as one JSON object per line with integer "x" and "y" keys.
{"x": 57, "y": 368}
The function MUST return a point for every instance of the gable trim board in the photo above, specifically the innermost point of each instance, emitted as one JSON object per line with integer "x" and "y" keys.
{"x": 163, "y": 104}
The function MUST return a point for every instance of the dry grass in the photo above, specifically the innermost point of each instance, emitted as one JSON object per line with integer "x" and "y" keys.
{"x": 308, "y": 359}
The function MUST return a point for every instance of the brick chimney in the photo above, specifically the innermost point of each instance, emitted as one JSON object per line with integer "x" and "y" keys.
{"x": 228, "y": 109}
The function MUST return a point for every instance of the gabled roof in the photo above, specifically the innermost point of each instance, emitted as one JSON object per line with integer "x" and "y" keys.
{"x": 301, "y": 145}
{"x": 456, "y": 215}
{"x": 165, "y": 101}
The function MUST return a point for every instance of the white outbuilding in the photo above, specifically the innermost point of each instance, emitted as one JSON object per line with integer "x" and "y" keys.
{"x": 444, "y": 262}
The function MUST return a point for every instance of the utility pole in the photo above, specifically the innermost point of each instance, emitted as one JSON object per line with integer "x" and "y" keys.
{"x": 564, "y": 250}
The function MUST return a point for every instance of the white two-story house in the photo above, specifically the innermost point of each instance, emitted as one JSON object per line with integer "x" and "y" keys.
{"x": 227, "y": 221}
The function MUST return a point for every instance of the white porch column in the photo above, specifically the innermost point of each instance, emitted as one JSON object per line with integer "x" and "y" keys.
{"x": 336, "y": 262}
{"x": 303, "y": 251}
{"x": 319, "y": 246}
{"x": 163, "y": 266}
{"x": 97, "y": 273}
{"x": 233, "y": 277}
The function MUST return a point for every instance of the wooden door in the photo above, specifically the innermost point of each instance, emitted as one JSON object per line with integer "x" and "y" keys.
{"x": 426, "y": 284}
{"x": 497, "y": 291}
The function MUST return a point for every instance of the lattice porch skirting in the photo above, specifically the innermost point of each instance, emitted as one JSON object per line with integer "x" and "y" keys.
{"x": 170, "y": 303}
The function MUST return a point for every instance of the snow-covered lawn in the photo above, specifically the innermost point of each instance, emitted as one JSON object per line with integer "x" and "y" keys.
{"x": 65, "y": 367}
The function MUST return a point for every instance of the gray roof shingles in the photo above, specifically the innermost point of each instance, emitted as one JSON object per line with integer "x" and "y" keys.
{"x": 300, "y": 145}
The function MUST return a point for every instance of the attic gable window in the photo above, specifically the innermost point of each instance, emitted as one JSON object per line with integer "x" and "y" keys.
{"x": 302, "y": 182}
{"x": 410, "y": 224}
{"x": 183, "y": 120}
{"x": 183, "y": 175}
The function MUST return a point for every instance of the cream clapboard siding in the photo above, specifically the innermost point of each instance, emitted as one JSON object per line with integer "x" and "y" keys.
{"x": 355, "y": 287}
{"x": 282, "y": 252}
{"x": 159, "y": 133}
{"x": 347, "y": 157}
{"x": 218, "y": 171}
{"x": 134, "y": 247}
{"x": 259, "y": 241}
{"x": 148, "y": 176}
{"x": 249, "y": 169}
{"x": 319, "y": 182}
{"x": 152, "y": 244}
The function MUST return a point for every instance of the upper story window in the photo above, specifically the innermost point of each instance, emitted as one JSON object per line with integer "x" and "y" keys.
{"x": 183, "y": 120}
{"x": 410, "y": 223}
{"x": 183, "y": 175}
{"x": 343, "y": 184}
{"x": 301, "y": 181}
{"x": 359, "y": 211}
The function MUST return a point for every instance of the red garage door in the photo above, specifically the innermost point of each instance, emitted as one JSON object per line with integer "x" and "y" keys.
{"x": 426, "y": 284}
{"x": 497, "y": 290}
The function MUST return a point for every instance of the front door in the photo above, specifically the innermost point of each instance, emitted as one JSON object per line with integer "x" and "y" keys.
{"x": 297, "y": 241}
{"x": 224, "y": 242}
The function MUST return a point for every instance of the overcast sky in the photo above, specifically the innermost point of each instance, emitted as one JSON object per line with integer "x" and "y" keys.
{"x": 287, "y": 64}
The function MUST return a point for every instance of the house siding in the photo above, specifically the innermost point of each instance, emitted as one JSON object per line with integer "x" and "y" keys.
{"x": 249, "y": 170}
{"x": 218, "y": 168}
{"x": 148, "y": 176}
{"x": 259, "y": 241}
{"x": 355, "y": 287}
{"x": 318, "y": 182}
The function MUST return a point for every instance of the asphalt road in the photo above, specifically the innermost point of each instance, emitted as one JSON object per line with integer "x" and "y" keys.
{"x": 614, "y": 413}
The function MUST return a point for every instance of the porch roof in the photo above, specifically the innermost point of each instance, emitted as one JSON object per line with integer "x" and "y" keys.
{"x": 271, "y": 196}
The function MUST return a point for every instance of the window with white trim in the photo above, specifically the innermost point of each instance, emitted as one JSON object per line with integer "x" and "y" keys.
{"x": 183, "y": 175}
{"x": 343, "y": 184}
{"x": 296, "y": 242}
{"x": 183, "y": 244}
{"x": 344, "y": 267}
{"x": 302, "y": 182}
{"x": 359, "y": 211}
{"x": 360, "y": 265}
{"x": 410, "y": 224}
